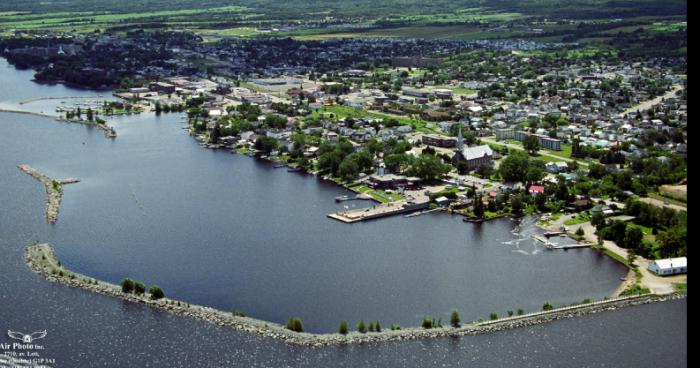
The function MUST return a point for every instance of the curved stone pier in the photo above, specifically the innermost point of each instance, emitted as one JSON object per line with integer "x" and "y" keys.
{"x": 54, "y": 191}
{"x": 40, "y": 258}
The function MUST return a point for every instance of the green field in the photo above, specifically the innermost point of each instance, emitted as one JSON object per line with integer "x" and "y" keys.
{"x": 339, "y": 111}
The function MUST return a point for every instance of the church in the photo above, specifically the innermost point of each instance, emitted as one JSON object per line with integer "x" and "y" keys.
{"x": 473, "y": 156}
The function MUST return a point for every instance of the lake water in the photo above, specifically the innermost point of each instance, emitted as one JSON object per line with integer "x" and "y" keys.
{"x": 229, "y": 231}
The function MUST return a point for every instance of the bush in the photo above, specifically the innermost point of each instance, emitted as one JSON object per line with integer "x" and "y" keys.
{"x": 371, "y": 327}
{"x": 127, "y": 285}
{"x": 454, "y": 319}
{"x": 493, "y": 316}
{"x": 547, "y": 306}
{"x": 238, "y": 313}
{"x": 521, "y": 312}
{"x": 510, "y": 313}
{"x": 395, "y": 327}
{"x": 377, "y": 327}
{"x": 156, "y": 292}
{"x": 295, "y": 325}
{"x": 579, "y": 232}
{"x": 139, "y": 287}
{"x": 343, "y": 329}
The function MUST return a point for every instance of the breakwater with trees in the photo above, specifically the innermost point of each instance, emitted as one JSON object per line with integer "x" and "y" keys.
{"x": 41, "y": 259}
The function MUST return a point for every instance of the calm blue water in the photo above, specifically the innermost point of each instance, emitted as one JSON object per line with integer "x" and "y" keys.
{"x": 226, "y": 231}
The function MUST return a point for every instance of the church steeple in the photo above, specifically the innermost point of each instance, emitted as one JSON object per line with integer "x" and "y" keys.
{"x": 460, "y": 141}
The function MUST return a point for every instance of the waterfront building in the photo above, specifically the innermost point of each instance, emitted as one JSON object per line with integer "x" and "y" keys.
{"x": 162, "y": 87}
{"x": 670, "y": 266}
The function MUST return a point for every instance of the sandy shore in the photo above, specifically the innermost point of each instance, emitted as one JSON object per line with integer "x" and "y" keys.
{"x": 40, "y": 258}
{"x": 54, "y": 191}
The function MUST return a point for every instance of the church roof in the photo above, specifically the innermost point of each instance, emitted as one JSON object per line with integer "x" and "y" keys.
{"x": 471, "y": 153}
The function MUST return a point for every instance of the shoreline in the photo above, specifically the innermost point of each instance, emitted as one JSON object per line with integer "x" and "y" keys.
{"x": 54, "y": 190}
{"x": 40, "y": 258}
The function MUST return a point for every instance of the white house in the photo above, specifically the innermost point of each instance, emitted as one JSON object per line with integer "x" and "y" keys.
{"x": 670, "y": 266}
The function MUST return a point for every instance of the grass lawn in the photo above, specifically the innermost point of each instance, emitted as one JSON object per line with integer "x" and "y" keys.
{"x": 580, "y": 219}
{"x": 379, "y": 195}
{"x": 565, "y": 151}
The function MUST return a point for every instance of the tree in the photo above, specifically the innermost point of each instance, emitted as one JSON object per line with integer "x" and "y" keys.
{"x": 215, "y": 134}
{"x": 377, "y": 327}
{"x": 531, "y": 144}
{"x": 361, "y": 328}
{"x": 266, "y": 144}
{"x": 156, "y": 292}
{"x": 295, "y": 325}
{"x": 139, "y": 287}
{"x": 454, "y": 319}
{"x": 427, "y": 323}
{"x": 598, "y": 219}
{"x": 514, "y": 167}
{"x": 673, "y": 242}
{"x": 484, "y": 170}
{"x": 429, "y": 167}
{"x": 516, "y": 204}
{"x": 371, "y": 327}
{"x": 478, "y": 207}
{"x": 397, "y": 162}
{"x": 275, "y": 121}
{"x": 348, "y": 169}
{"x": 127, "y": 285}
{"x": 633, "y": 238}
{"x": 343, "y": 329}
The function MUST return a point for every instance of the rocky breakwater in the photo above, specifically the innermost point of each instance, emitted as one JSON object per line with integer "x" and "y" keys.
{"x": 54, "y": 191}
{"x": 40, "y": 258}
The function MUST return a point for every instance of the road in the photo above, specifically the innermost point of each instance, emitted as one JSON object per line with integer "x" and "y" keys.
{"x": 660, "y": 203}
{"x": 646, "y": 105}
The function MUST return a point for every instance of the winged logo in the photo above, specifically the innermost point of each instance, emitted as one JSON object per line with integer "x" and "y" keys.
{"x": 26, "y": 338}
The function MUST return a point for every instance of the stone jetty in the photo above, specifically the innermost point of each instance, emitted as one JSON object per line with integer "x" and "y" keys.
{"x": 40, "y": 258}
{"x": 54, "y": 191}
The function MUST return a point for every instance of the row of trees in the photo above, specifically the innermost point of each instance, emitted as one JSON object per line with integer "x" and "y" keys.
{"x": 137, "y": 287}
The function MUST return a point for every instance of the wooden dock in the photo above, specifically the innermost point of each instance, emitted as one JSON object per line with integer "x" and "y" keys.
{"x": 552, "y": 246}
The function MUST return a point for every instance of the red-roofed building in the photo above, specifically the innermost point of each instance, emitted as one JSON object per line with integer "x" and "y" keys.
{"x": 534, "y": 189}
